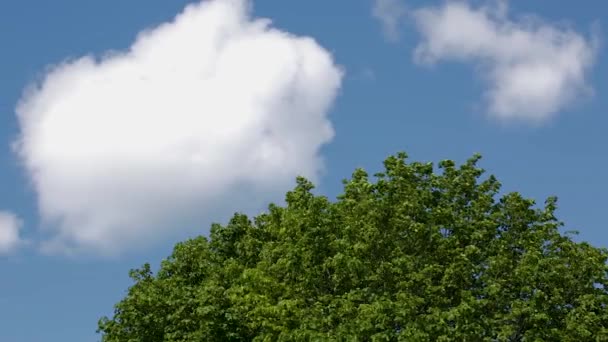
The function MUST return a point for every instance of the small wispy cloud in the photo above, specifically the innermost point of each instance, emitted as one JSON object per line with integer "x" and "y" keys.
{"x": 390, "y": 13}
{"x": 10, "y": 239}
{"x": 533, "y": 69}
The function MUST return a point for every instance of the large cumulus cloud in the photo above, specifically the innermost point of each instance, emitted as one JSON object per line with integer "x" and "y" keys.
{"x": 210, "y": 111}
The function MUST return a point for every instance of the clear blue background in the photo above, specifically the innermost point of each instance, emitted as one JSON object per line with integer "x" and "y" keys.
{"x": 430, "y": 113}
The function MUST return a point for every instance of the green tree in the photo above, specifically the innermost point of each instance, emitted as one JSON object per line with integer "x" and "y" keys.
{"x": 414, "y": 255}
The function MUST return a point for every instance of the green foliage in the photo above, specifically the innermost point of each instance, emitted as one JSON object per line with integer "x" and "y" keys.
{"x": 413, "y": 256}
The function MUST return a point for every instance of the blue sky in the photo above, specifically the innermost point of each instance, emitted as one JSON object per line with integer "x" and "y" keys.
{"x": 121, "y": 154}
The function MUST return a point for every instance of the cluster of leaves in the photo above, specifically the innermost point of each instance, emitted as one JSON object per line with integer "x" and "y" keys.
{"x": 412, "y": 256}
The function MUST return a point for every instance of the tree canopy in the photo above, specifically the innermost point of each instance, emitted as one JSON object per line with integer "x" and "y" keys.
{"x": 413, "y": 254}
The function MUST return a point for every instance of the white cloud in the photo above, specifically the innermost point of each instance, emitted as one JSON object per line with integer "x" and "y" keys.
{"x": 533, "y": 68}
{"x": 389, "y": 13}
{"x": 9, "y": 232}
{"x": 211, "y": 113}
